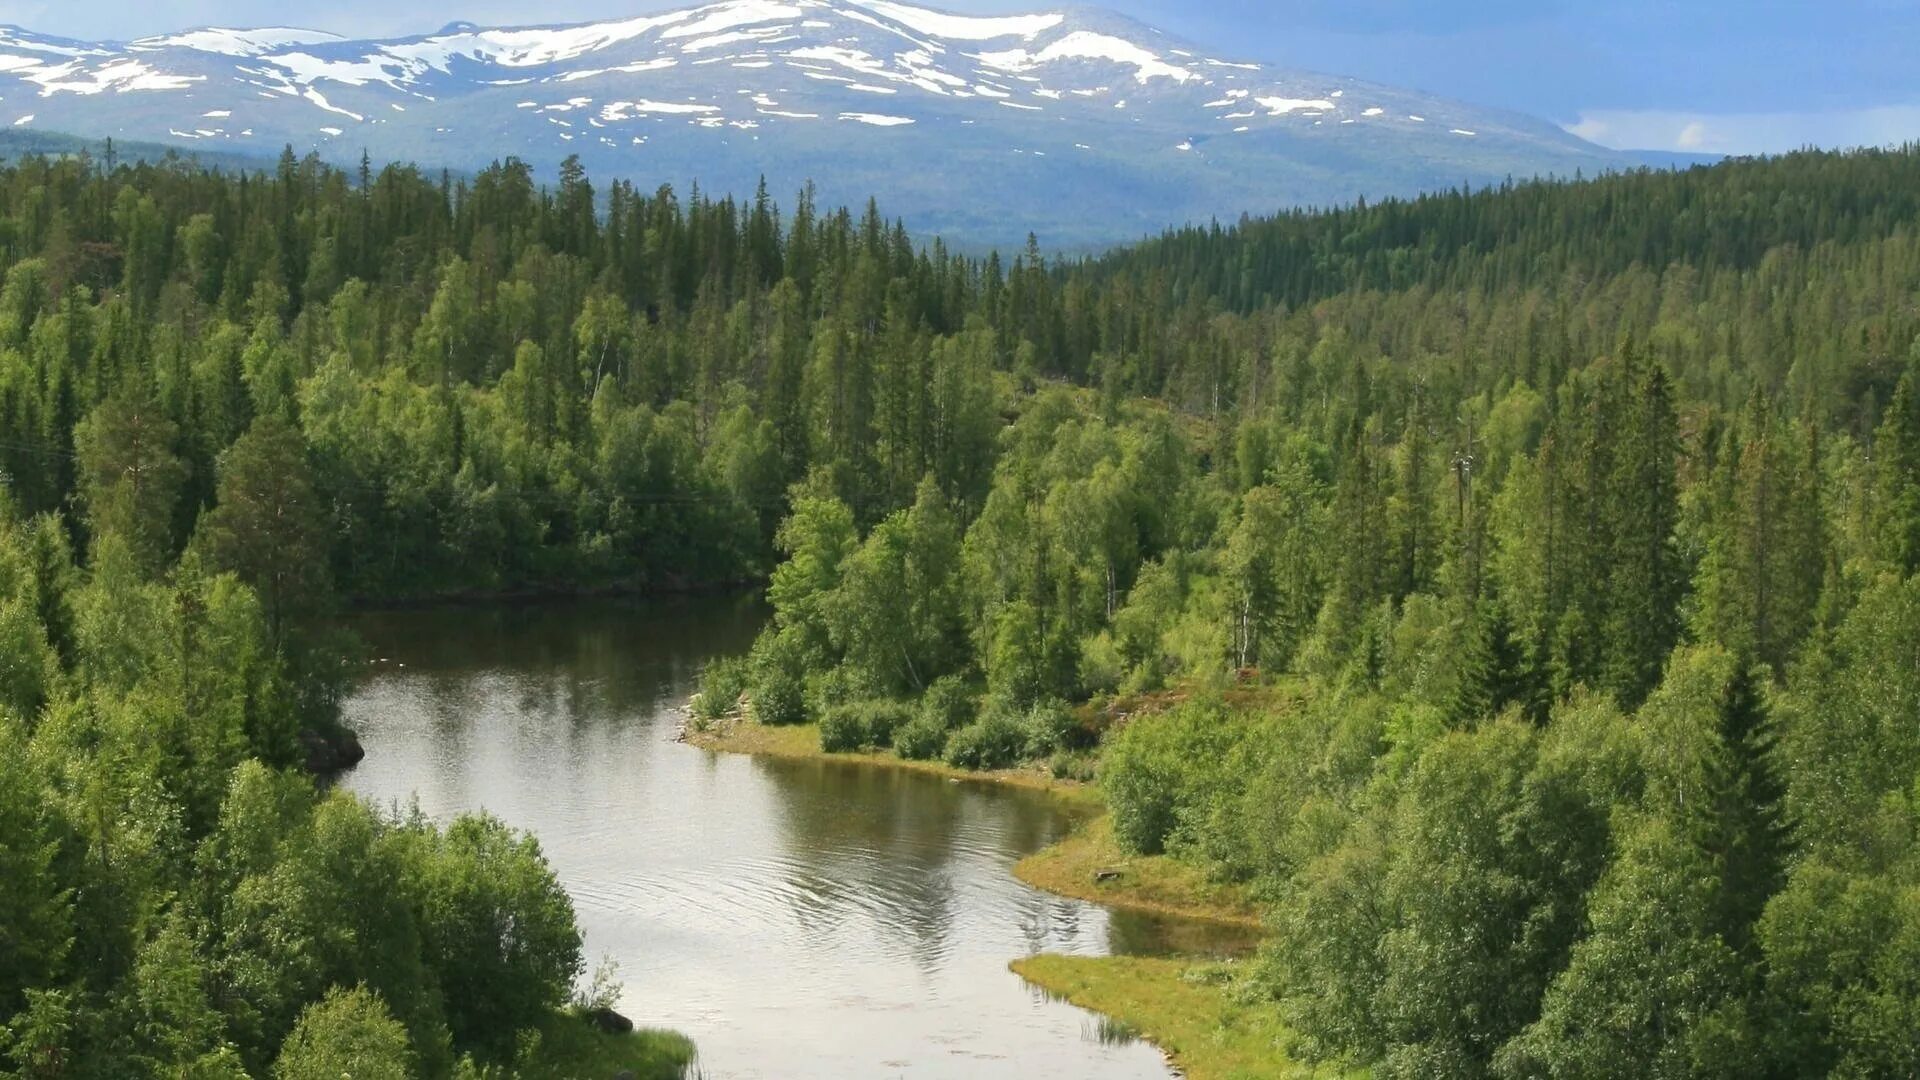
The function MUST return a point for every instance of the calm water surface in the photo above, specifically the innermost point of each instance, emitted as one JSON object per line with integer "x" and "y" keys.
{"x": 796, "y": 919}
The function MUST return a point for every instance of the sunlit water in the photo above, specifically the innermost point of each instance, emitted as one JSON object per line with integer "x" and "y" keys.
{"x": 796, "y": 919}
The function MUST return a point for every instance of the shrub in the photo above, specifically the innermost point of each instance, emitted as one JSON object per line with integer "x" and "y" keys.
{"x": 347, "y": 1033}
{"x": 779, "y": 680}
{"x": 1073, "y": 765}
{"x": 1102, "y": 667}
{"x": 992, "y": 742}
{"x": 1144, "y": 774}
{"x": 842, "y": 730}
{"x": 1052, "y": 726}
{"x": 950, "y": 703}
{"x": 862, "y": 725}
{"x": 1162, "y": 769}
{"x": 921, "y": 739}
{"x": 836, "y": 686}
{"x": 721, "y": 686}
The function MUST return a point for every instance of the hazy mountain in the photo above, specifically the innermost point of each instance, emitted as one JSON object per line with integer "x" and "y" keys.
{"x": 1078, "y": 124}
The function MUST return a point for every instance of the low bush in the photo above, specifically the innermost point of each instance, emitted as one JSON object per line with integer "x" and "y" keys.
{"x": 1052, "y": 726}
{"x": 779, "y": 681}
{"x": 950, "y": 703}
{"x": 995, "y": 741}
{"x": 721, "y": 686}
{"x": 920, "y": 739}
{"x": 862, "y": 725}
{"x": 1073, "y": 765}
{"x": 837, "y": 686}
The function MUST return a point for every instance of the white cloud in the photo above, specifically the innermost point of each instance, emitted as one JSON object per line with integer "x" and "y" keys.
{"x": 1747, "y": 133}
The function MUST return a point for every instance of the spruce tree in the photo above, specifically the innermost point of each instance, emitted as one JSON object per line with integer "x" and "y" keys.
{"x": 1743, "y": 823}
{"x": 1644, "y": 577}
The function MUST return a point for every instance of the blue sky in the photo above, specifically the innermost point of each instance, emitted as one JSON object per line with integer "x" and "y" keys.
{"x": 1735, "y": 76}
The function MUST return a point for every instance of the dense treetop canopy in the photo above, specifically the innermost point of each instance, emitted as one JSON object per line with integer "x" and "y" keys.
{"x": 1568, "y": 532}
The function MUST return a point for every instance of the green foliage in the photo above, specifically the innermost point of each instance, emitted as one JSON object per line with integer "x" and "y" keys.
{"x": 1528, "y": 561}
{"x": 347, "y": 1033}
{"x": 949, "y": 704}
{"x": 1156, "y": 768}
{"x": 493, "y": 915}
{"x": 1843, "y": 953}
{"x": 994, "y": 741}
{"x": 1481, "y": 864}
{"x": 1051, "y": 725}
{"x": 268, "y": 527}
{"x": 779, "y": 678}
{"x": 130, "y": 476}
{"x": 723, "y": 682}
{"x": 863, "y": 725}
{"x": 922, "y": 738}
{"x": 1640, "y": 996}
{"x": 894, "y": 618}
{"x": 36, "y": 918}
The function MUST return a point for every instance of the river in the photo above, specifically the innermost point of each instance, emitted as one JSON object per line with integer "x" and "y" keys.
{"x": 796, "y": 919}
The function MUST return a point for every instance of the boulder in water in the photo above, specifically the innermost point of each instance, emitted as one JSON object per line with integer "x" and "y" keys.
{"x": 328, "y": 753}
{"x": 610, "y": 1022}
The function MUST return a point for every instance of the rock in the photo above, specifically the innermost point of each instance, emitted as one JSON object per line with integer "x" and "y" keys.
{"x": 327, "y": 754}
{"x": 610, "y": 1022}
{"x": 625, "y": 1074}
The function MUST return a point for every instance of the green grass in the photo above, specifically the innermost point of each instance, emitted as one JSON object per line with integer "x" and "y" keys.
{"x": 1153, "y": 883}
{"x": 1156, "y": 883}
{"x": 802, "y": 742}
{"x": 572, "y": 1049}
{"x": 1183, "y": 1007}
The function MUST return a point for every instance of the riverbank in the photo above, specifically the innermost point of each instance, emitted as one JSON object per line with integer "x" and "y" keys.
{"x": 1186, "y": 1008}
{"x": 1169, "y": 1002}
{"x": 554, "y": 592}
{"x": 1089, "y": 865}
{"x": 801, "y": 742}
{"x": 571, "y": 1046}
{"x": 1085, "y": 865}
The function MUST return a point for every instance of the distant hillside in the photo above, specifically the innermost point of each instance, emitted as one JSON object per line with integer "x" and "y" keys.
{"x": 1080, "y": 125}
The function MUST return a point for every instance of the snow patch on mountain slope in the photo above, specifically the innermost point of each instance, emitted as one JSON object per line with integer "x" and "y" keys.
{"x": 536, "y": 47}
{"x": 619, "y": 110}
{"x": 305, "y": 68}
{"x": 963, "y": 27}
{"x": 876, "y": 119}
{"x": 724, "y": 17}
{"x": 12, "y": 37}
{"x": 120, "y": 75}
{"x": 229, "y": 42}
{"x": 1087, "y": 45}
{"x": 320, "y": 100}
{"x": 1281, "y": 106}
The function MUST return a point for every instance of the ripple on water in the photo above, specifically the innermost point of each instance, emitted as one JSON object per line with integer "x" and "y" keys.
{"x": 796, "y": 919}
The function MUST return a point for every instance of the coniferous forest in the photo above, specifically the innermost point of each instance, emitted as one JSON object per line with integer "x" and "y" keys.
{"x": 1518, "y": 590}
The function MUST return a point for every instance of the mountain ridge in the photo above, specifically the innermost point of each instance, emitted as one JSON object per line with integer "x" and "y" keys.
{"x": 1077, "y": 123}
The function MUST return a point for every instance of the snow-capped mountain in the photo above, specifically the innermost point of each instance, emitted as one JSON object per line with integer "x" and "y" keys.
{"x": 1078, "y": 124}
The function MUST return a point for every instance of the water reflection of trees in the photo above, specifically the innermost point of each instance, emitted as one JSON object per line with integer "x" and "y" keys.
{"x": 574, "y": 666}
{"x": 919, "y": 858}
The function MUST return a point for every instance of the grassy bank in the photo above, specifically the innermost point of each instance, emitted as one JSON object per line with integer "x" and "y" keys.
{"x": 1184, "y": 1008}
{"x": 1089, "y": 865}
{"x": 801, "y": 742}
{"x": 572, "y": 1049}
{"x": 1167, "y": 1002}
